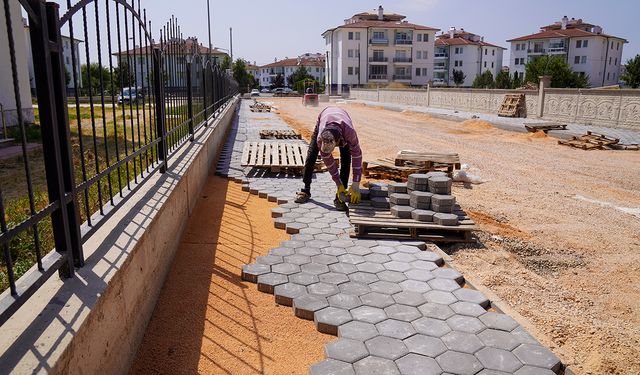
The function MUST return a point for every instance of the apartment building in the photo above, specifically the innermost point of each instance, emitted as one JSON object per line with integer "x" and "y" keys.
{"x": 584, "y": 46}
{"x": 465, "y": 51}
{"x": 379, "y": 47}
{"x": 313, "y": 62}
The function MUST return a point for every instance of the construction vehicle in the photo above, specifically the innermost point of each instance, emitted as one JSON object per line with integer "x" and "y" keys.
{"x": 310, "y": 94}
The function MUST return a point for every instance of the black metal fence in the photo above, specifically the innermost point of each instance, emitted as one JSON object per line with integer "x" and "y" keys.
{"x": 146, "y": 98}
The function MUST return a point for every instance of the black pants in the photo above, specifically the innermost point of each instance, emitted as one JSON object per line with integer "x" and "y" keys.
{"x": 312, "y": 156}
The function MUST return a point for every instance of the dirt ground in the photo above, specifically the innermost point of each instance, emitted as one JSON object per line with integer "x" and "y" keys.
{"x": 560, "y": 227}
{"x": 207, "y": 320}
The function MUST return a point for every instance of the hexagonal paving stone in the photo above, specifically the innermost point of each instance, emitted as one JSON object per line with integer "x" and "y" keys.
{"x": 385, "y": 287}
{"x": 438, "y": 296}
{"x": 446, "y": 285}
{"x": 372, "y": 365}
{"x": 324, "y": 259}
{"x": 323, "y": 289}
{"x": 498, "y": 359}
{"x": 282, "y": 251}
{"x": 409, "y": 298}
{"x": 499, "y": 339}
{"x": 539, "y": 356}
{"x": 403, "y": 312}
{"x": 295, "y": 227}
{"x": 304, "y": 278}
{"x": 363, "y": 277}
{"x": 333, "y": 278}
{"x": 370, "y": 267}
{"x": 285, "y": 268}
{"x": 424, "y": 265}
{"x": 344, "y": 301}
{"x": 431, "y": 327}
{"x": 329, "y": 319}
{"x": 351, "y": 258}
{"x": 499, "y": 321}
{"x": 297, "y": 259}
{"x": 308, "y": 251}
{"x": 305, "y": 306}
{"x": 294, "y": 244}
{"x": 318, "y": 244}
{"x": 268, "y": 281}
{"x": 344, "y": 268}
{"x": 314, "y": 268}
{"x": 397, "y": 266}
{"x": 368, "y": 314}
{"x": 335, "y": 251}
{"x": 465, "y": 324}
{"x": 524, "y": 336}
{"x": 285, "y": 293}
{"x": 331, "y": 366}
{"x": 356, "y": 330}
{"x": 396, "y": 329}
{"x": 343, "y": 243}
{"x": 414, "y": 364}
{"x": 419, "y": 274}
{"x": 402, "y": 257}
{"x": 346, "y": 350}
{"x": 449, "y": 273}
{"x": 436, "y": 311}
{"x": 459, "y": 363}
{"x": 375, "y": 299}
{"x": 377, "y": 258}
{"x": 415, "y": 286}
{"x": 386, "y": 347}
{"x": 470, "y": 295}
{"x": 250, "y": 272}
{"x": 425, "y": 345}
{"x": 530, "y": 370}
{"x": 325, "y": 236}
{"x": 354, "y": 288}
{"x": 269, "y": 260}
{"x": 430, "y": 256}
{"x": 467, "y": 308}
{"x": 392, "y": 276}
{"x": 462, "y": 342}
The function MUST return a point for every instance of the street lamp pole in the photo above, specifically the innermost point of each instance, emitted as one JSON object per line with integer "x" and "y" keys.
{"x": 209, "y": 25}
{"x": 231, "y": 43}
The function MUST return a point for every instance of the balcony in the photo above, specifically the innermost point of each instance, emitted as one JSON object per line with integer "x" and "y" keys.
{"x": 378, "y": 59}
{"x": 402, "y": 59}
{"x": 439, "y": 82}
{"x": 379, "y": 41}
{"x": 404, "y": 42}
{"x": 378, "y": 77}
{"x": 441, "y": 55}
{"x": 536, "y": 51}
{"x": 559, "y": 48}
{"x": 439, "y": 67}
{"x": 402, "y": 77}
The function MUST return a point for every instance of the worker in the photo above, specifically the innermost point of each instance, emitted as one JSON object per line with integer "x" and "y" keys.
{"x": 334, "y": 128}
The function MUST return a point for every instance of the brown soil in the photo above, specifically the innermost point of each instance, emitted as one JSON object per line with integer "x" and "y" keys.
{"x": 570, "y": 266}
{"x": 207, "y": 320}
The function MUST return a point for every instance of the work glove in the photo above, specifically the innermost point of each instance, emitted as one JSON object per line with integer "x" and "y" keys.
{"x": 354, "y": 193}
{"x": 341, "y": 193}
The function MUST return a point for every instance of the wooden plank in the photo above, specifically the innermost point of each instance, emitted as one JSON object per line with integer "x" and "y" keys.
{"x": 245, "y": 154}
{"x": 297, "y": 156}
{"x": 254, "y": 149}
{"x": 275, "y": 154}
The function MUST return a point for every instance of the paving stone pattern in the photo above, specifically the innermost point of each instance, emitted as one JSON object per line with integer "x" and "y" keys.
{"x": 395, "y": 306}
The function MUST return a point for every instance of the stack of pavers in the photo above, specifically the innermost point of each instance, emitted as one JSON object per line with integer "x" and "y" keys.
{"x": 425, "y": 197}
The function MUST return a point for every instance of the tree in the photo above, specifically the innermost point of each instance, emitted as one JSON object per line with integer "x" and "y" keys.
{"x": 240, "y": 74}
{"x": 95, "y": 71}
{"x": 517, "y": 82}
{"x": 632, "y": 74}
{"x": 226, "y": 62}
{"x": 557, "y": 68}
{"x": 297, "y": 78}
{"x": 458, "y": 77}
{"x": 123, "y": 76}
{"x": 278, "y": 81}
{"x": 503, "y": 80}
{"x": 484, "y": 80}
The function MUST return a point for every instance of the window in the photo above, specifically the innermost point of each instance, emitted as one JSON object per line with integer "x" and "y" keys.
{"x": 350, "y": 70}
{"x": 578, "y": 44}
{"x": 485, "y": 64}
{"x": 492, "y": 64}
{"x": 418, "y": 54}
{"x": 455, "y": 63}
{"x": 609, "y": 60}
{"x": 358, "y": 52}
{"x": 585, "y": 43}
{"x": 485, "y": 52}
{"x": 615, "y": 61}
{"x": 608, "y": 76}
{"x": 518, "y": 47}
{"x": 583, "y": 60}
{"x": 424, "y": 54}
{"x": 357, "y": 35}
{"x": 618, "y": 46}
{"x": 458, "y": 50}
{"x": 378, "y": 35}
{"x": 611, "y": 45}
{"x": 425, "y": 38}
{"x": 493, "y": 52}
{"x": 350, "y": 53}
{"x": 418, "y": 70}
{"x": 424, "y": 70}
{"x": 350, "y": 35}
{"x": 317, "y": 70}
{"x": 419, "y": 37}
{"x": 576, "y": 60}
{"x": 357, "y": 70}
{"x": 523, "y": 46}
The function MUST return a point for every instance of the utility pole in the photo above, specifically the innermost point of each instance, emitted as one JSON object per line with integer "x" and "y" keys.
{"x": 231, "y": 43}
{"x": 209, "y": 25}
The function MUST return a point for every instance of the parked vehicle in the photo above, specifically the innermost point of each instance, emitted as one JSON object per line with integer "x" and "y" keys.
{"x": 131, "y": 95}
{"x": 265, "y": 90}
{"x": 255, "y": 92}
{"x": 279, "y": 90}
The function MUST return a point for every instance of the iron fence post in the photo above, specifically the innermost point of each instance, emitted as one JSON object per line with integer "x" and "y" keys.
{"x": 190, "y": 100}
{"x": 47, "y": 49}
{"x": 161, "y": 128}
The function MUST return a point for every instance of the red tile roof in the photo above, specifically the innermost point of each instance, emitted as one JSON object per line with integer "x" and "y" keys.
{"x": 383, "y": 24}
{"x": 202, "y": 50}
{"x": 294, "y": 62}
{"x": 568, "y": 33}
{"x": 443, "y": 42}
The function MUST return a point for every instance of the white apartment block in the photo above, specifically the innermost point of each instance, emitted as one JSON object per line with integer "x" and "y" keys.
{"x": 582, "y": 45}
{"x": 313, "y": 62}
{"x": 465, "y": 51}
{"x": 379, "y": 47}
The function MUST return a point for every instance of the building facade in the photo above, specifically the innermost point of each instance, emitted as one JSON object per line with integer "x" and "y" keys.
{"x": 378, "y": 47}
{"x": 467, "y": 52}
{"x": 314, "y": 63}
{"x": 582, "y": 45}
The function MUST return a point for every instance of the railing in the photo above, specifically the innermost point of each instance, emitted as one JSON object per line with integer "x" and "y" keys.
{"x": 536, "y": 50}
{"x": 378, "y": 59}
{"x": 556, "y": 49}
{"x": 402, "y": 59}
{"x": 439, "y": 67}
{"x": 378, "y": 41}
{"x": 401, "y": 77}
{"x": 441, "y": 55}
{"x": 404, "y": 41}
{"x": 145, "y": 101}
{"x": 378, "y": 76}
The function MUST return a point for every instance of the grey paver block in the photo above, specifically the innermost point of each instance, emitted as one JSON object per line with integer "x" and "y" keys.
{"x": 425, "y": 345}
{"x": 387, "y": 250}
{"x": 343, "y": 268}
{"x": 424, "y": 265}
{"x": 446, "y": 285}
{"x": 250, "y": 272}
{"x": 305, "y": 306}
{"x": 418, "y": 178}
{"x": 354, "y": 288}
{"x": 346, "y": 350}
{"x": 431, "y": 327}
{"x": 402, "y": 257}
{"x": 402, "y": 212}
{"x": 304, "y": 278}
{"x": 420, "y": 213}
{"x": 372, "y": 365}
{"x": 375, "y": 299}
{"x": 314, "y": 268}
{"x": 323, "y": 289}
{"x": 441, "y": 297}
{"x": 285, "y": 268}
{"x": 471, "y": 295}
{"x": 329, "y": 319}
{"x": 397, "y": 266}
{"x": 318, "y": 243}
{"x": 282, "y": 222}
{"x": 415, "y": 286}
{"x": 368, "y": 314}
{"x": 269, "y": 260}
{"x": 335, "y": 251}
{"x": 401, "y": 199}
{"x": 397, "y": 187}
{"x": 430, "y": 256}
{"x": 392, "y": 276}
{"x": 326, "y": 237}
{"x": 499, "y": 339}
{"x": 294, "y": 244}
{"x": 285, "y": 293}
{"x": 462, "y": 342}
{"x": 386, "y": 347}
{"x": 385, "y": 287}
{"x": 297, "y": 259}
{"x": 443, "y": 199}
{"x": 436, "y": 311}
{"x": 465, "y": 324}
{"x": 524, "y": 336}
{"x": 459, "y": 363}
{"x": 419, "y": 274}
{"x": 363, "y": 277}
{"x": 414, "y": 364}
{"x": 377, "y": 258}
{"x": 530, "y": 370}
{"x": 370, "y": 267}
{"x": 331, "y": 366}
{"x": 537, "y": 355}
{"x": 282, "y": 251}
{"x": 409, "y": 298}
{"x": 498, "y": 359}
{"x": 359, "y": 250}
{"x": 268, "y": 281}
{"x": 311, "y": 231}
{"x": 356, "y": 330}
{"x": 344, "y": 301}
{"x": 333, "y": 278}
{"x": 351, "y": 258}
{"x": 308, "y": 251}
{"x": 499, "y": 321}
{"x": 449, "y": 273}
{"x": 324, "y": 259}
{"x": 343, "y": 243}
{"x": 443, "y": 215}
{"x": 396, "y": 329}
{"x": 408, "y": 249}
{"x": 467, "y": 308}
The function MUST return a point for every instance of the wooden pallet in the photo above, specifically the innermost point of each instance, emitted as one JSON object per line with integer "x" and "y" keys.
{"x": 279, "y": 134}
{"x": 387, "y": 169}
{"x": 429, "y": 161}
{"x": 591, "y": 141}
{"x": 544, "y": 127}
{"x": 512, "y": 105}
{"x": 370, "y": 222}
{"x": 278, "y": 156}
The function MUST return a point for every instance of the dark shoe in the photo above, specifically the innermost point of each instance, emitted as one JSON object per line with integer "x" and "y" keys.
{"x": 340, "y": 206}
{"x": 302, "y": 197}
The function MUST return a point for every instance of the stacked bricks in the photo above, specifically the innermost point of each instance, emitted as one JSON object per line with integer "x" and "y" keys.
{"x": 379, "y": 195}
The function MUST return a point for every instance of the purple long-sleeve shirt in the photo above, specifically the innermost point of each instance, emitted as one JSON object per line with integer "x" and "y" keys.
{"x": 338, "y": 119}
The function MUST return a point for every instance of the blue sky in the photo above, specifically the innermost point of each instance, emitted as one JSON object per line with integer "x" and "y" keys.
{"x": 264, "y": 30}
